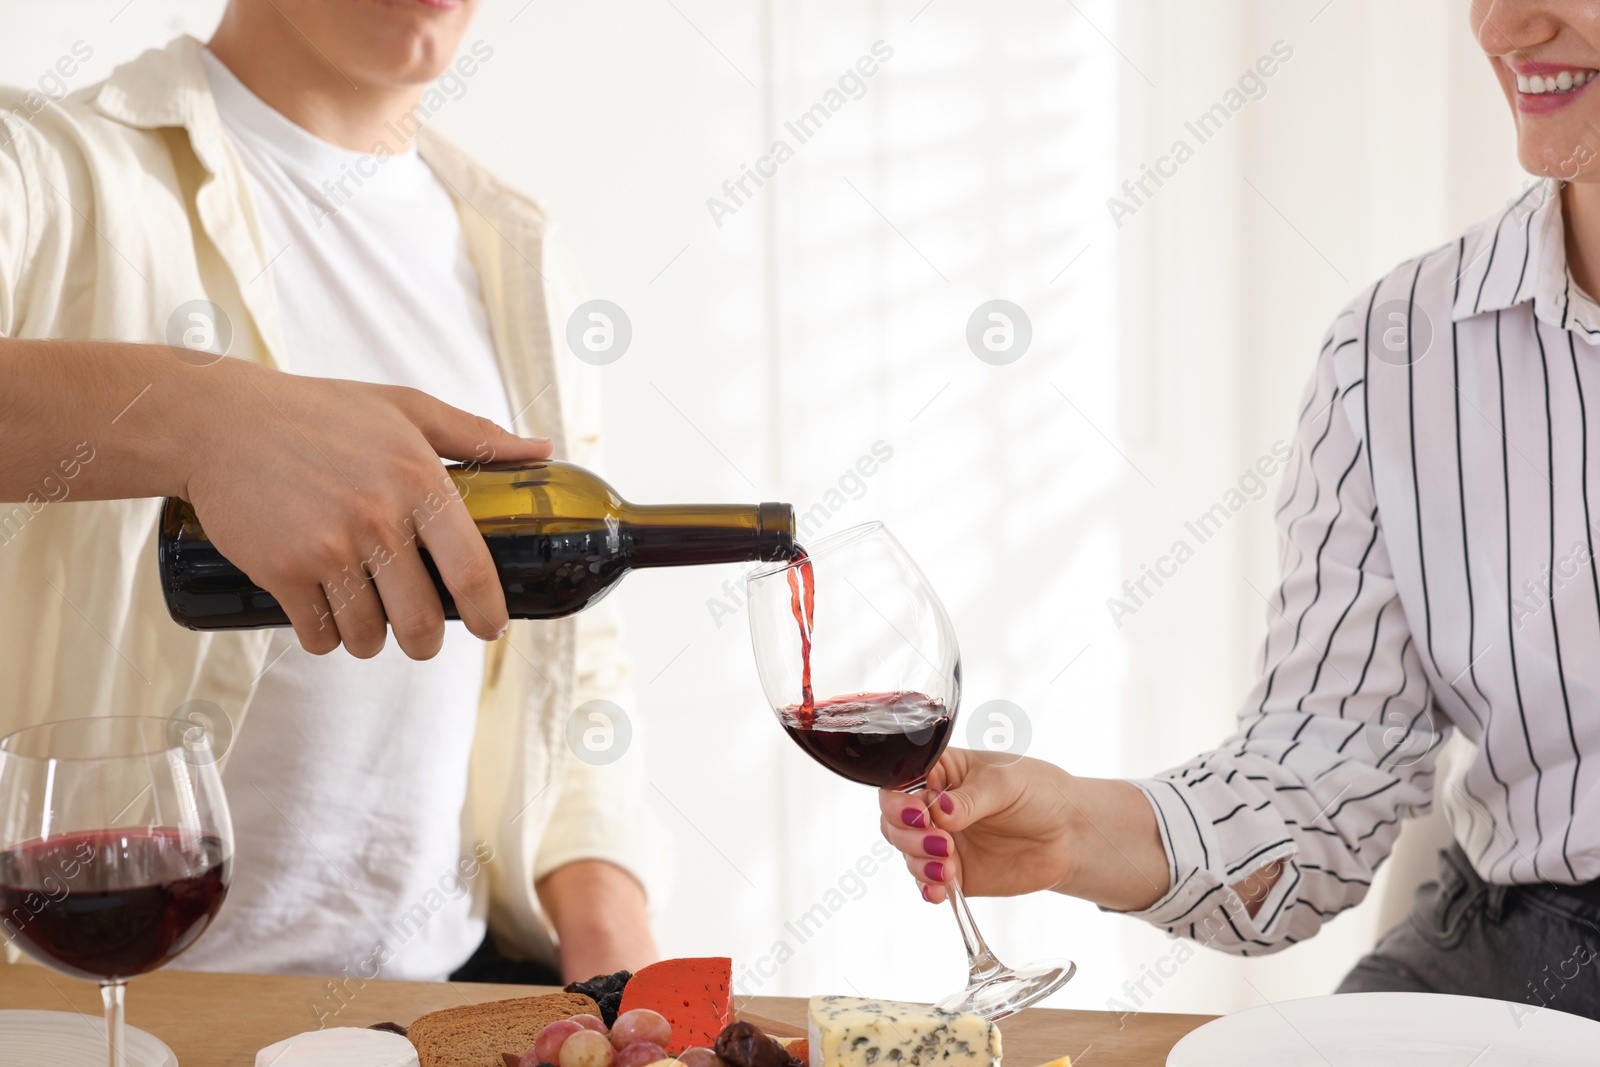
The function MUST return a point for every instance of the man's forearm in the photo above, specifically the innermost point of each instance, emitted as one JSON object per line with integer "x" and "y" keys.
{"x": 600, "y": 918}
{"x": 95, "y": 420}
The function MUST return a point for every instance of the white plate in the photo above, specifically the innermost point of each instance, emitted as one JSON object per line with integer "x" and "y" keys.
{"x": 67, "y": 1039}
{"x": 1392, "y": 1030}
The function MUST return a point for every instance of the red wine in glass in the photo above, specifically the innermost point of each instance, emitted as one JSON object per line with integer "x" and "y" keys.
{"x": 111, "y": 904}
{"x": 115, "y": 849}
{"x": 887, "y": 740}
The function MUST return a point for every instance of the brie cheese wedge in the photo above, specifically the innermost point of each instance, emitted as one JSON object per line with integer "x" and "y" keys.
{"x": 340, "y": 1046}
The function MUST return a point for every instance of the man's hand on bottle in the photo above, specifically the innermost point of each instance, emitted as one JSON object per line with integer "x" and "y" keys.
{"x": 322, "y": 491}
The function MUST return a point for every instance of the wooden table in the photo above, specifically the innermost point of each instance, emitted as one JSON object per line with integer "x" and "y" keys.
{"x": 220, "y": 1020}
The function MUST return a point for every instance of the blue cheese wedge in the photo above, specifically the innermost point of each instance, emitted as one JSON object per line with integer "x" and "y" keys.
{"x": 854, "y": 1032}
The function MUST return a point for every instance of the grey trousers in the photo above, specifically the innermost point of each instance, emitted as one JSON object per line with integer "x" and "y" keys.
{"x": 1533, "y": 944}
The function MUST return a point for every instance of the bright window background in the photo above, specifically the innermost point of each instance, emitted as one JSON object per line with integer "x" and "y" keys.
{"x": 828, "y": 313}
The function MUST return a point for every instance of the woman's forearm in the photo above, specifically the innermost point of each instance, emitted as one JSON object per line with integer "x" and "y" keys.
{"x": 1116, "y": 858}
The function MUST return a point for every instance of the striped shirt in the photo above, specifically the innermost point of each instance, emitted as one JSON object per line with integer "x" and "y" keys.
{"x": 1438, "y": 533}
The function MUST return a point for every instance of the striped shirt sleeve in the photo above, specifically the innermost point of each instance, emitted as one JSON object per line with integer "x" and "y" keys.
{"x": 1336, "y": 741}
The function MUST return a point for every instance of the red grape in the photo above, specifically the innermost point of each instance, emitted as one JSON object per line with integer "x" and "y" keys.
{"x": 547, "y": 1046}
{"x": 641, "y": 1024}
{"x": 586, "y": 1048}
{"x": 640, "y": 1054}
{"x": 589, "y": 1022}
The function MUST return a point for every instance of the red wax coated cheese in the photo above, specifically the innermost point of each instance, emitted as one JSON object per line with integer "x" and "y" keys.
{"x": 694, "y": 994}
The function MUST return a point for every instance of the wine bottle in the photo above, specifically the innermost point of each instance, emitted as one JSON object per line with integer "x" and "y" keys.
{"x": 560, "y": 538}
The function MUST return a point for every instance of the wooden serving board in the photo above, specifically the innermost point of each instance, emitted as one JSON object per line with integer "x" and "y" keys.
{"x": 183, "y": 1008}
{"x": 773, "y": 1027}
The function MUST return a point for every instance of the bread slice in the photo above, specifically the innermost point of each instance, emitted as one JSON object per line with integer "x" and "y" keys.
{"x": 475, "y": 1035}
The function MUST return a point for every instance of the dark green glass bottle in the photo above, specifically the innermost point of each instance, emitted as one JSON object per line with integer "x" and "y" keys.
{"x": 559, "y": 535}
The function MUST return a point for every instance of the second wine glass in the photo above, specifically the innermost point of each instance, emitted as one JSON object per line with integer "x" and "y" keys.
{"x": 116, "y": 849}
{"x": 855, "y": 619}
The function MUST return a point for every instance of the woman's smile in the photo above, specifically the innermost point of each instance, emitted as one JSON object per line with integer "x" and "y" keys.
{"x": 1547, "y": 87}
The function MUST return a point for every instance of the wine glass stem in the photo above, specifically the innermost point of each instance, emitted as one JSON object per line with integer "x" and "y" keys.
{"x": 111, "y": 993}
{"x": 982, "y": 963}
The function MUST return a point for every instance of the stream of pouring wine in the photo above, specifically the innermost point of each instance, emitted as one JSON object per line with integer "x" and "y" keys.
{"x": 803, "y": 604}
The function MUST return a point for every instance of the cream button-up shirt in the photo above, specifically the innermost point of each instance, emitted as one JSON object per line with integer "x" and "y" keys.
{"x": 125, "y": 201}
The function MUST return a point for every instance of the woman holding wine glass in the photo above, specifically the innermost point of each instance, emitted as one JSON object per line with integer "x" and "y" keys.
{"x": 1440, "y": 578}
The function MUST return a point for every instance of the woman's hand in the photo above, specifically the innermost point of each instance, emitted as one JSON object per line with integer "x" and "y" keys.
{"x": 1007, "y": 829}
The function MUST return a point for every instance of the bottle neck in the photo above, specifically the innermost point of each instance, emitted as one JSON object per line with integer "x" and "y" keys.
{"x": 675, "y": 535}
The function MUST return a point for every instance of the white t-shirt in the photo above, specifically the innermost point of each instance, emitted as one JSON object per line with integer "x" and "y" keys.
{"x": 348, "y": 779}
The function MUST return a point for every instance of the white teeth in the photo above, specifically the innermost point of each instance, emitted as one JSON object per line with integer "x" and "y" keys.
{"x": 1563, "y": 82}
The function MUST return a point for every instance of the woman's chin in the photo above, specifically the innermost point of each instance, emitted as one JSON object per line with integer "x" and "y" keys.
{"x": 1557, "y": 157}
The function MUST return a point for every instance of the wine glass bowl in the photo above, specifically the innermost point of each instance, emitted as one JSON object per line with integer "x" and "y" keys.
{"x": 887, "y": 659}
{"x": 859, "y": 661}
{"x": 116, "y": 848}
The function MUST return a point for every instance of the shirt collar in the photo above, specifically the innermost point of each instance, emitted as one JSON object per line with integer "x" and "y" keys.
{"x": 1520, "y": 255}
{"x": 167, "y": 87}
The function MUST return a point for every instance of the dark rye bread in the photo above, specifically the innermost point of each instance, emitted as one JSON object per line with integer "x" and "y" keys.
{"x": 475, "y": 1035}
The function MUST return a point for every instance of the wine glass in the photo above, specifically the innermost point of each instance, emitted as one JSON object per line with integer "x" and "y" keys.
{"x": 854, "y": 619}
{"x": 116, "y": 848}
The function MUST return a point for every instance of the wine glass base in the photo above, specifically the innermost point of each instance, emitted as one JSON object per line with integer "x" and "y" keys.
{"x": 67, "y": 1039}
{"x": 997, "y": 995}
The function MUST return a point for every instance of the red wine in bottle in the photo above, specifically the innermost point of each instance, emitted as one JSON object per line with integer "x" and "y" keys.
{"x": 560, "y": 538}
{"x": 111, "y": 903}
{"x": 890, "y": 740}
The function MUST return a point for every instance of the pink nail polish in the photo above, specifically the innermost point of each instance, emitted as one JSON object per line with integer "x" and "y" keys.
{"x": 914, "y": 817}
{"x": 934, "y": 845}
{"x": 935, "y": 871}
{"x": 946, "y": 805}
{"x": 925, "y": 895}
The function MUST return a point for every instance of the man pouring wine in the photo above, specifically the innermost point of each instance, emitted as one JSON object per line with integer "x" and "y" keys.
{"x": 372, "y": 332}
